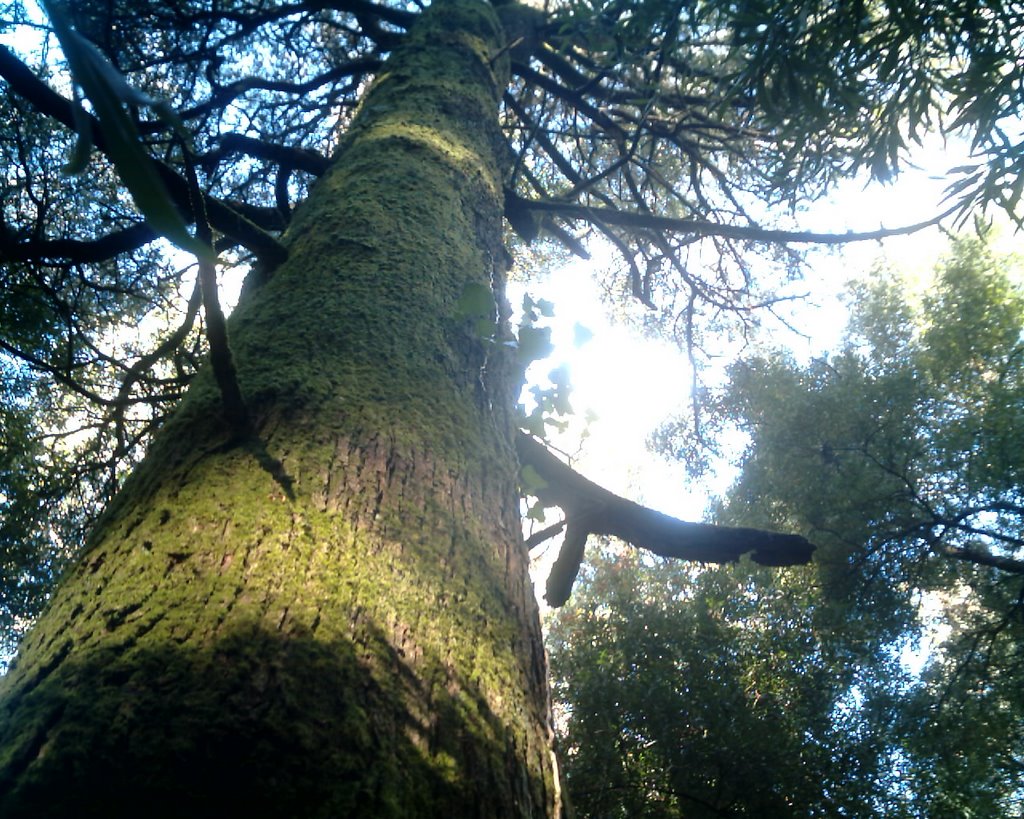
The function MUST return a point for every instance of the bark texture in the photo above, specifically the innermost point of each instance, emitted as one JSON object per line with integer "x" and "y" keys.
{"x": 335, "y": 619}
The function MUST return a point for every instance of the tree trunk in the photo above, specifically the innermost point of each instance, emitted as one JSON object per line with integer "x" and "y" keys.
{"x": 334, "y": 619}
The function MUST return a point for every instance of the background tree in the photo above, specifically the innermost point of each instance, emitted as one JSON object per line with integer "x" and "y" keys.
{"x": 899, "y": 456}
{"x": 354, "y": 329}
{"x": 716, "y": 692}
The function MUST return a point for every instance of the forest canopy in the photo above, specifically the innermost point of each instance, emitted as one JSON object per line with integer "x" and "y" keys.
{"x": 681, "y": 133}
{"x": 885, "y": 678}
{"x": 687, "y": 136}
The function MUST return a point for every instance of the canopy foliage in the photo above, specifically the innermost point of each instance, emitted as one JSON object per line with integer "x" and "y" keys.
{"x": 664, "y": 127}
{"x": 721, "y": 692}
{"x": 900, "y": 456}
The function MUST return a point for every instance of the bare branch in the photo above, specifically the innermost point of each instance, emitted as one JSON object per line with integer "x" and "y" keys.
{"x": 650, "y": 221}
{"x": 591, "y": 509}
{"x": 225, "y": 94}
{"x": 222, "y": 217}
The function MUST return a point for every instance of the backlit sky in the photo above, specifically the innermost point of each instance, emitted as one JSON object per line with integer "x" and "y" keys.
{"x": 633, "y": 384}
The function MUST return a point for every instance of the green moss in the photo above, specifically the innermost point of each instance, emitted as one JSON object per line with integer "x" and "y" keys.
{"x": 287, "y": 580}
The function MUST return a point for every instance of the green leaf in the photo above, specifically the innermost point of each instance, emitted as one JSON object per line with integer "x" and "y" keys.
{"x": 530, "y": 479}
{"x": 534, "y": 344}
{"x": 538, "y": 509}
{"x": 559, "y": 425}
{"x": 477, "y": 301}
{"x": 533, "y": 423}
{"x": 79, "y": 159}
{"x": 485, "y": 328}
{"x": 559, "y": 376}
{"x": 581, "y": 335}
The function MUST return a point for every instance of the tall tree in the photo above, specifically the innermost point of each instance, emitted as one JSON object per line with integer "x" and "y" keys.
{"x": 321, "y": 608}
{"x": 311, "y": 597}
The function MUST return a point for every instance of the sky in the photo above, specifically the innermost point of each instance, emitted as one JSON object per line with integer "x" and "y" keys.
{"x": 633, "y": 384}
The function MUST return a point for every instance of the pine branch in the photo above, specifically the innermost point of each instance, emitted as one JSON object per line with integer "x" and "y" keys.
{"x": 750, "y": 233}
{"x": 222, "y": 217}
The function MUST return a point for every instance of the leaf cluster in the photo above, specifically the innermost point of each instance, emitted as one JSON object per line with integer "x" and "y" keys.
{"x": 880, "y": 75}
{"x": 900, "y": 456}
{"x": 705, "y": 693}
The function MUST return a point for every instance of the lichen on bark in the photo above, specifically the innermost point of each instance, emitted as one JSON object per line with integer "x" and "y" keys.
{"x": 366, "y": 643}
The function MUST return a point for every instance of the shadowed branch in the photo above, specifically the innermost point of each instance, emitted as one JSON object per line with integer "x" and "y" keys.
{"x": 591, "y": 509}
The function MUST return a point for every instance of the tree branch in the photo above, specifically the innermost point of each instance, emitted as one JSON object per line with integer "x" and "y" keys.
{"x": 298, "y": 158}
{"x": 667, "y": 224}
{"x": 581, "y": 83}
{"x": 1006, "y": 564}
{"x": 591, "y": 509}
{"x": 576, "y": 100}
{"x": 77, "y": 250}
{"x": 222, "y": 217}
{"x": 225, "y": 94}
{"x": 86, "y": 251}
{"x": 164, "y": 348}
{"x": 225, "y": 374}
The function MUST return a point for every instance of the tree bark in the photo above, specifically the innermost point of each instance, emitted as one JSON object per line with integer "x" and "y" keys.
{"x": 333, "y": 618}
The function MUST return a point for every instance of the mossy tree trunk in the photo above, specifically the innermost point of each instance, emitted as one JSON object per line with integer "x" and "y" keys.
{"x": 336, "y": 620}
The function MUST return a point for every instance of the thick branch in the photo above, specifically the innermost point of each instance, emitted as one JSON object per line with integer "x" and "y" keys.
{"x": 88, "y": 251}
{"x": 299, "y": 158}
{"x": 591, "y": 509}
{"x": 394, "y": 16}
{"x": 77, "y": 250}
{"x": 1006, "y": 564}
